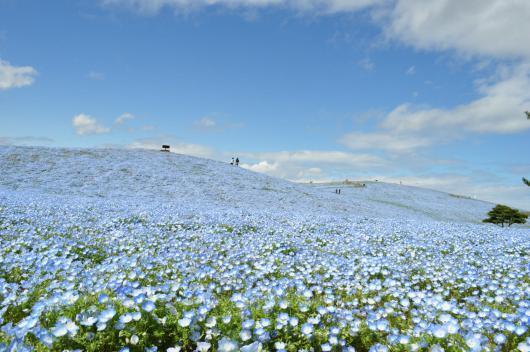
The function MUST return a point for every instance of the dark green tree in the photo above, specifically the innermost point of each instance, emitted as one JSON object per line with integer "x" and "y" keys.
{"x": 503, "y": 215}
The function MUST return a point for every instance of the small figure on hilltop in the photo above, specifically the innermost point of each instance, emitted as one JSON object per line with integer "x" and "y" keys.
{"x": 237, "y": 161}
{"x": 232, "y": 162}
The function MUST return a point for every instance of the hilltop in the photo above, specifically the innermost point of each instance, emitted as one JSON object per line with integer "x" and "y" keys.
{"x": 195, "y": 184}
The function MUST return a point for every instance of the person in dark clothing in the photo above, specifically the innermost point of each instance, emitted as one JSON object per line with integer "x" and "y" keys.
{"x": 237, "y": 161}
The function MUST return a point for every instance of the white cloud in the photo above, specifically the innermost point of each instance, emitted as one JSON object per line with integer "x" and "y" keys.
{"x": 320, "y": 6}
{"x": 15, "y": 76}
{"x": 411, "y": 70}
{"x": 319, "y": 157}
{"x": 206, "y": 123}
{"x": 96, "y": 76}
{"x": 366, "y": 64}
{"x": 262, "y": 166}
{"x": 309, "y": 164}
{"x": 120, "y": 120}
{"x": 496, "y": 28}
{"x": 85, "y": 125}
{"x": 385, "y": 140}
{"x": 499, "y": 110}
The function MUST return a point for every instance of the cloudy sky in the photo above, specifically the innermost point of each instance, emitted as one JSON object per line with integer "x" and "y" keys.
{"x": 429, "y": 93}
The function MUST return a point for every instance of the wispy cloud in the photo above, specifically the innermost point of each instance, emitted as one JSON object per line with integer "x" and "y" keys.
{"x": 411, "y": 70}
{"x": 366, "y": 64}
{"x": 87, "y": 125}
{"x": 206, "y": 123}
{"x": 26, "y": 140}
{"x": 120, "y": 120}
{"x": 96, "y": 76}
{"x": 468, "y": 27}
{"x": 498, "y": 111}
{"x": 15, "y": 76}
{"x": 151, "y": 7}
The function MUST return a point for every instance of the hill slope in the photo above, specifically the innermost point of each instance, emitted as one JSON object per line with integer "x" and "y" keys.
{"x": 132, "y": 250}
{"x": 152, "y": 177}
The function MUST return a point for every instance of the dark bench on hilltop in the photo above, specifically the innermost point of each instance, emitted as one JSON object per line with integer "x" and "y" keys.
{"x": 165, "y": 148}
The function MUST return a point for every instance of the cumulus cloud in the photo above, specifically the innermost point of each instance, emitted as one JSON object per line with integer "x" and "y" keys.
{"x": 262, "y": 166}
{"x": 497, "y": 111}
{"x": 85, "y": 125}
{"x": 496, "y": 28}
{"x": 15, "y": 76}
{"x": 308, "y": 165}
{"x": 120, "y": 120}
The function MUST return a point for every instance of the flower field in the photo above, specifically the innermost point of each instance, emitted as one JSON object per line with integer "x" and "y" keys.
{"x": 129, "y": 269}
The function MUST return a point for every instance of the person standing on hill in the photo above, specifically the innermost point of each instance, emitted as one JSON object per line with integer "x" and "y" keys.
{"x": 237, "y": 161}
{"x": 232, "y": 162}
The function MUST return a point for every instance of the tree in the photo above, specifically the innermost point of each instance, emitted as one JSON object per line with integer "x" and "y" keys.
{"x": 502, "y": 214}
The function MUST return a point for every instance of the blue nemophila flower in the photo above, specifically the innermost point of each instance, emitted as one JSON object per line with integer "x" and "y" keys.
{"x": 248, "y": 324}
{"x": 126, "y": 318}
{"x": 226, "y": 319}
{"x": 227, "y": 345}
{"x": 245, "y": 335}
{"x": 203, "y": 346}
{"x": 211, "y": 322}
{"x": 523, "y": 346}
{"x": 106, "y": 315}
{"x": 307, "y": 329}
{"x": 499, "y": 339}
{"x": 253, "y": 347}
{"x": 378, "y": 348}
{"x": 148, "y": 306}
{"x": 326, "y": 347}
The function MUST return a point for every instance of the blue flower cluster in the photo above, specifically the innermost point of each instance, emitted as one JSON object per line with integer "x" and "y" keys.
{"x": 89, "y": 273}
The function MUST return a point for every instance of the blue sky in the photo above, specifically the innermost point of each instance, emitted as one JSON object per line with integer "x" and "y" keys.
{"x": 397, "y": 90}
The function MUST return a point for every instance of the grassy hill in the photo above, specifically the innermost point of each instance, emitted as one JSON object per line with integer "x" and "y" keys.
{"x": 156, "y": 177}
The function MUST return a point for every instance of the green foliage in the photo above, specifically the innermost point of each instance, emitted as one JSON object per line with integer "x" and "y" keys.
{"x": 503, "y": 215}
{"x": 526, "y": 182}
